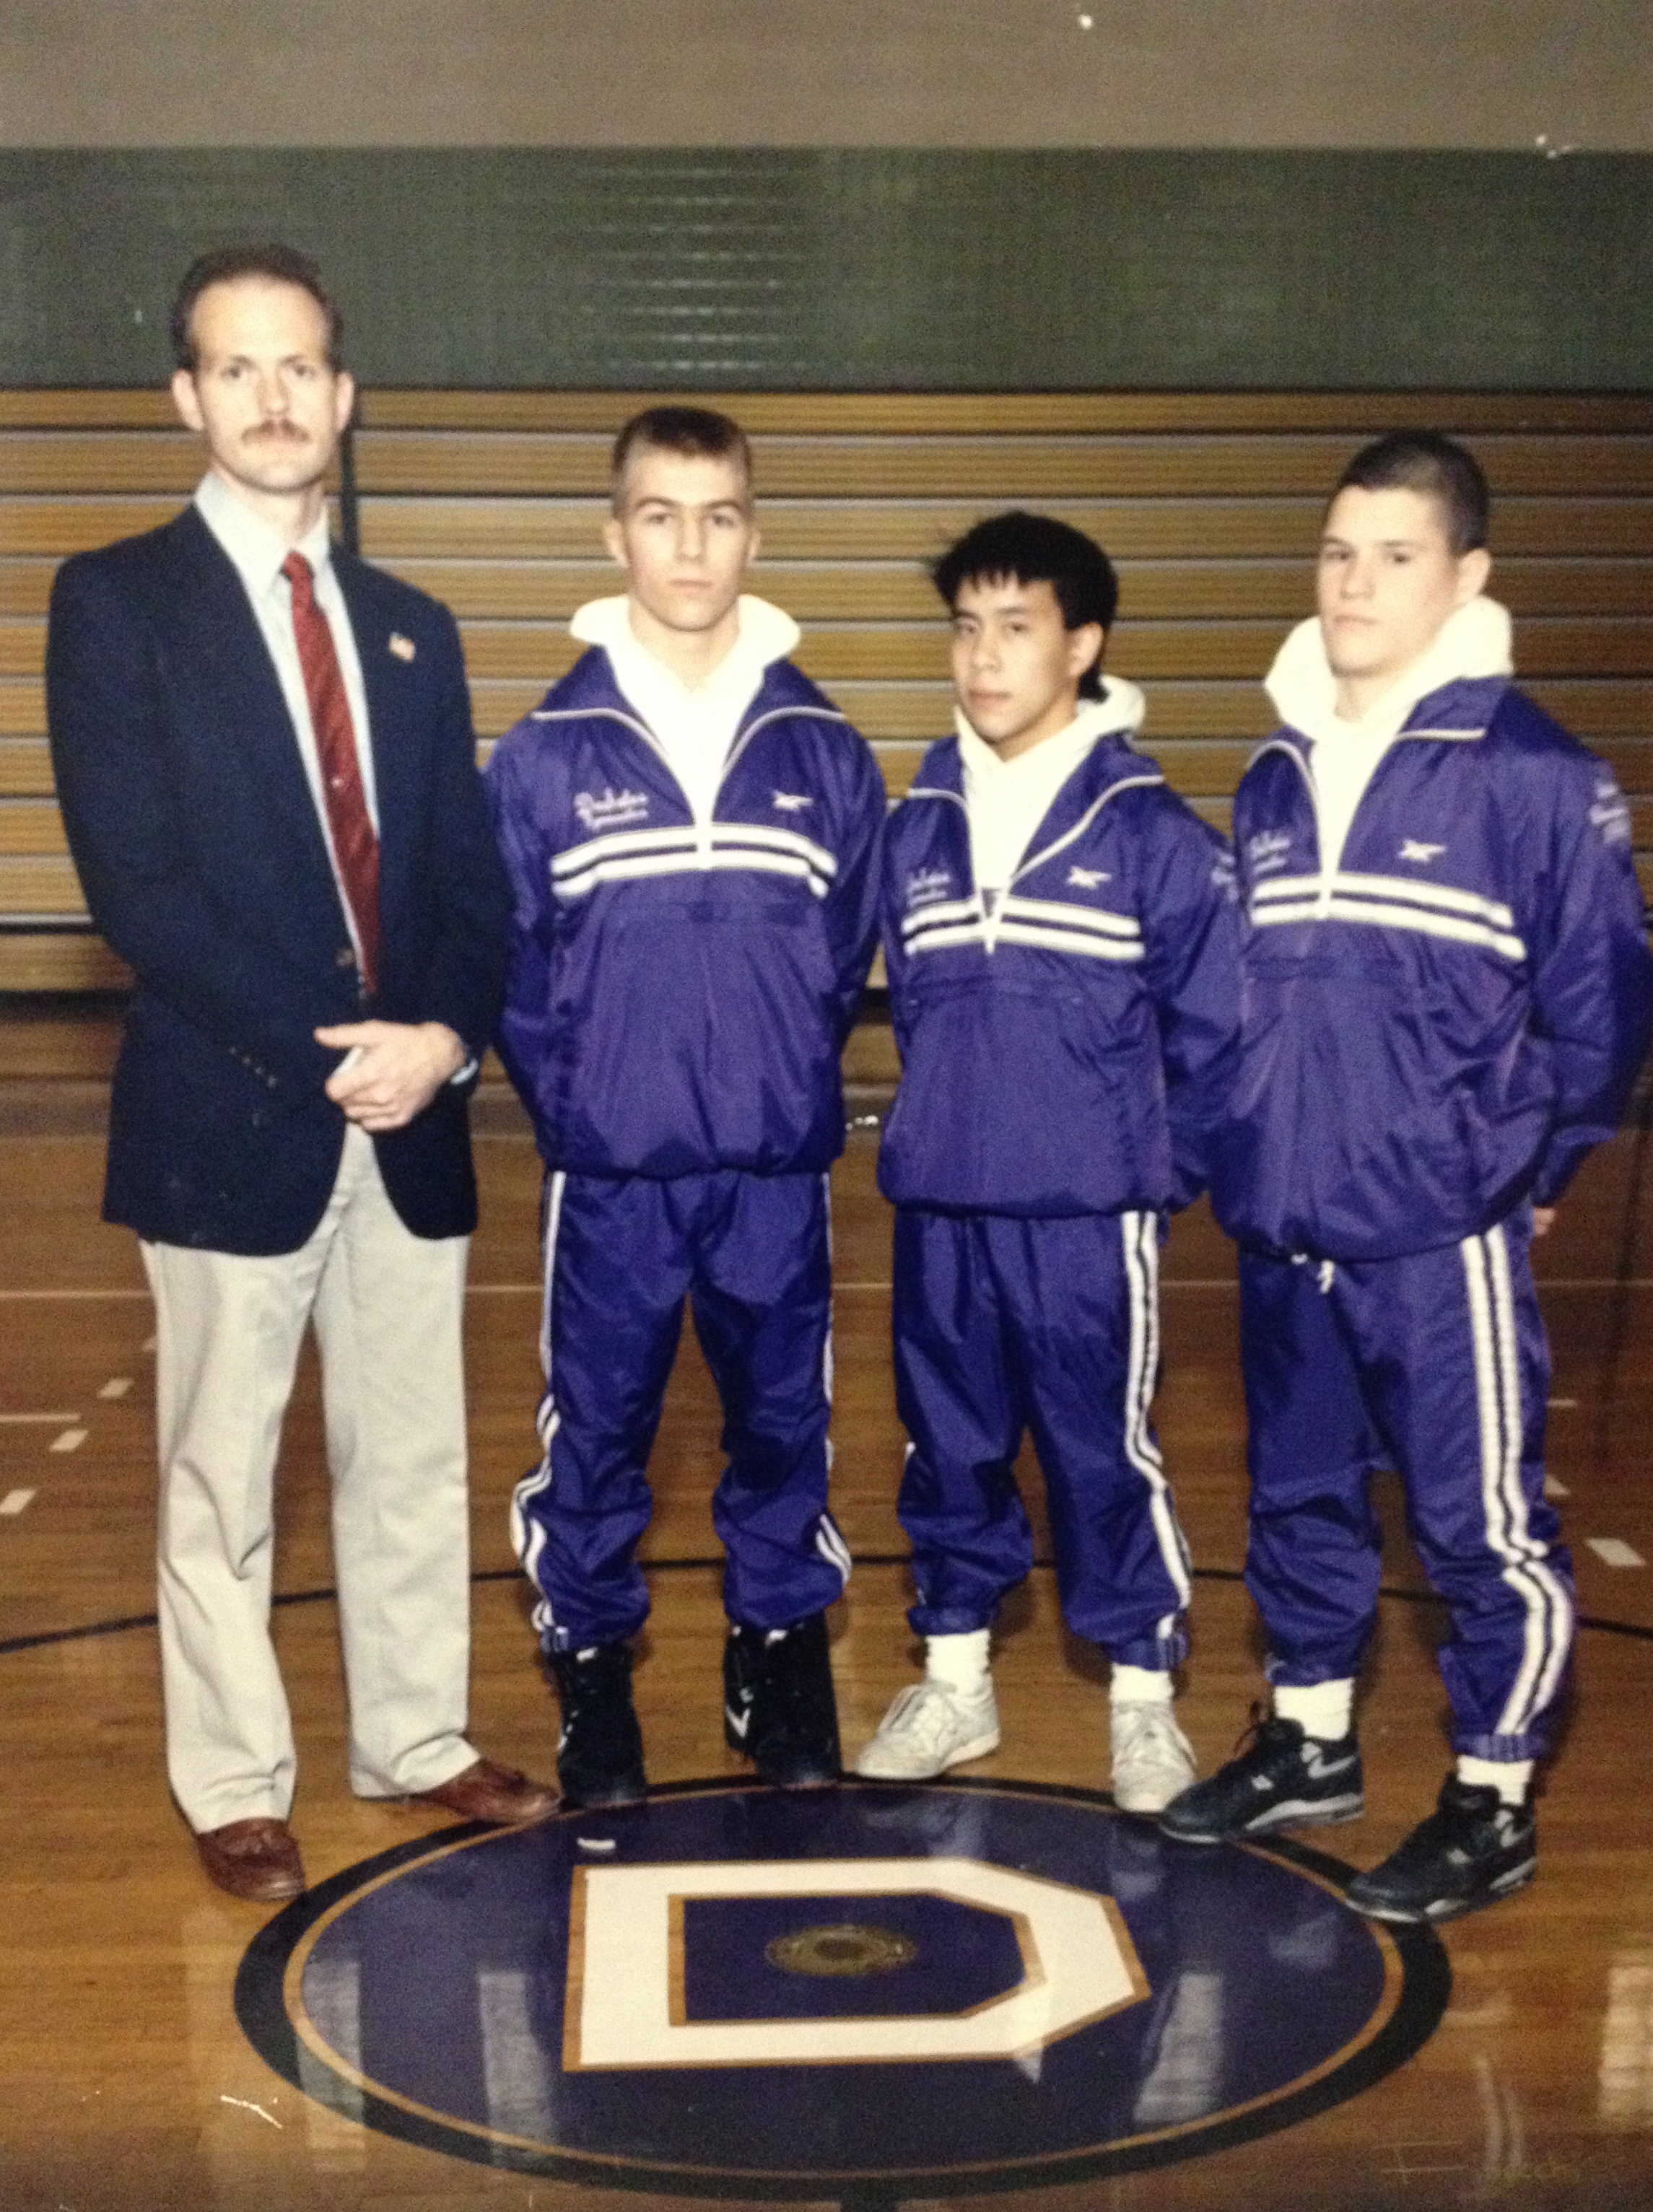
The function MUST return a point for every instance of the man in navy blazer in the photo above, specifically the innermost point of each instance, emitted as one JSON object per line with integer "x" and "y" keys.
{"x": 264, "y": 756}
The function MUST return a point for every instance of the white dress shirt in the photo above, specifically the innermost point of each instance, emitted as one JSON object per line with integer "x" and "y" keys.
{"x": 693, "y": 725}
{"x": 257, "y": 552}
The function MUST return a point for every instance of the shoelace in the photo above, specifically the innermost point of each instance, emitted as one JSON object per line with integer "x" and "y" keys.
{"x": 1250, "y": 1738}
{"x": 1145, "y": 1727}
{"x": 924, "y": 1713}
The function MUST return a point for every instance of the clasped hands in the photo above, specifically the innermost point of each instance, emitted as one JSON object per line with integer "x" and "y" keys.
{"x": 392, "y": 1070}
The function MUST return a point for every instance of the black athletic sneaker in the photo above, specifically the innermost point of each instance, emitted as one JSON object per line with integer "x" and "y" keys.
{"x": 778, "y": 1706}
{"x": 1472, "y": 1849}
{"x": 599, "y": 1753}
{"x": 1285, "y": 1779}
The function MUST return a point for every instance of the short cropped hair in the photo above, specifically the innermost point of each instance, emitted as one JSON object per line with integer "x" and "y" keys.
{"x": 694, "y": 431}
{"x": 1438, "y": 466}
{"x": 281, "y": 265}
{"x": 1037, "y": 549}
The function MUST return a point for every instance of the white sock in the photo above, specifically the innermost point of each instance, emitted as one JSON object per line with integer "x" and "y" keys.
{"x": 1324, "y": 1711}
{"x": 959, "y": 1663}
{"x": 1139, "y": 1685}
{"x": 1509, "y": 1776}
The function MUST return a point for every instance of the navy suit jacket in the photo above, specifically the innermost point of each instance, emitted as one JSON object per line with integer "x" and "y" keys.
{"x": 205, "y": 865}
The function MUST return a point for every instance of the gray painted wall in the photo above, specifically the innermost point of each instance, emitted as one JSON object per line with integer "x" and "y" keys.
{"x": 752, "y": 268}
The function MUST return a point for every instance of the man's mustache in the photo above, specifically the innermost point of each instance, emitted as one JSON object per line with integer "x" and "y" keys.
{"x": 276, "y": 429}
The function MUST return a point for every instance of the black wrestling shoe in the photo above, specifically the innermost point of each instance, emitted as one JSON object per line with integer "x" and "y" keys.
{"x": 778, "y": 1706}
{"x": 1472, "y": 1849}
{"x": 1285, "y": 1779}
{"x": 599, "y": 1753}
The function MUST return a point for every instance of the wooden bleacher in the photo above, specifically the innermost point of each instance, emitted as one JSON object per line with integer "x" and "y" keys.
{"x": 1210, "y": 504}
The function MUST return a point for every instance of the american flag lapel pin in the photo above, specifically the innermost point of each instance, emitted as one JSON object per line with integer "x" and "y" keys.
{"x": 403, "y": 647}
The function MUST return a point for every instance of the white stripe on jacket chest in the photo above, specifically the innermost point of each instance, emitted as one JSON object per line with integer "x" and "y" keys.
{"x": 1047, "y": 924}
{"x": 685, "y": 849}
{"x": 1400, "y": 902}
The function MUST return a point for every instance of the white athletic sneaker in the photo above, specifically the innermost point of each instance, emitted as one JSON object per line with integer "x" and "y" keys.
{"x": 1153, "y": 1760}
{"x": 927, "y": 1729}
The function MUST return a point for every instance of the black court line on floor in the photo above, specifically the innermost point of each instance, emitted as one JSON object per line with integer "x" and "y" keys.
{"x": 10, "y": 1645}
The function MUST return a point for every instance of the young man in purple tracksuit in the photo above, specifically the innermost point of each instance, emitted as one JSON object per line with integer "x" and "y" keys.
{"x": 1060, "y": 936}
{"x": 1446, "y": 999}
{"x": 689, "y": 828}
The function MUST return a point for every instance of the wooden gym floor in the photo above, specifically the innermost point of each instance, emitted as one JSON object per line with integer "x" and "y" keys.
{"x": 131, "y": 2084}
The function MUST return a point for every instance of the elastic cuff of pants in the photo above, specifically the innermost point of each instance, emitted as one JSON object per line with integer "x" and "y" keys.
{"x": 1511, "y": 1778}
{"x": 1322, "y": 1710}
{"x": 949, "y": 1620}
{"x": 1309, "y": 1675}
{"x": 1155, "y": 1655}
{"x": 562, "y": 1641}
{"x": 1499, "y": 1749}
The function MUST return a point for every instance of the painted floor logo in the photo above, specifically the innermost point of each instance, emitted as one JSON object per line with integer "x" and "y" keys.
{"x": 870, "y": 1993}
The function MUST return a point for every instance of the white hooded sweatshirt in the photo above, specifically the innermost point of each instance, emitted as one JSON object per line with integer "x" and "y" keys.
{"x": 1005, "y": 801}
{"x": 694, "y": 727}
{"x": 1475, "y": 640}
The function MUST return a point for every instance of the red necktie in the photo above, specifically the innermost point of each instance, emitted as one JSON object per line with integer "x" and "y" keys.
{"x": 356, "y": 846}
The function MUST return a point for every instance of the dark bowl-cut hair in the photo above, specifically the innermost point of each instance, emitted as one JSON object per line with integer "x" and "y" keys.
{"x": 1036, "y": 549}
{"x": 696, "y": 432}
{"x": 1438, "y": 466}
{"x": 281, "y": 265}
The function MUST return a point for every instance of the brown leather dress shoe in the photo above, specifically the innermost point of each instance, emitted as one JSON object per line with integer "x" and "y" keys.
{"x": 258, "y": 1860}
{"x": 484, "y": 1791}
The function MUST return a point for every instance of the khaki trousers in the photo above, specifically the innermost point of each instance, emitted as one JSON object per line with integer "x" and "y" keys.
{"x": 386, "y": 1307}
